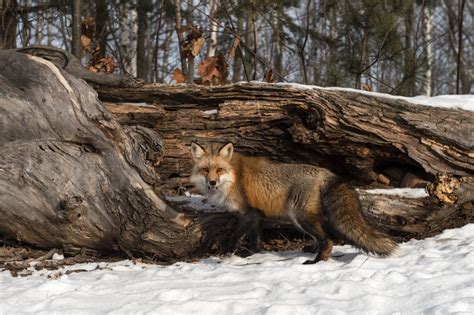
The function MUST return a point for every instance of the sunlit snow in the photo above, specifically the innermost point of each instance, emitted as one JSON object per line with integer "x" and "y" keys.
{"x": 431, "y": 276}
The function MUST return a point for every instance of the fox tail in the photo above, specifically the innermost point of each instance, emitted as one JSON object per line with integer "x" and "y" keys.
{"x": 344, "y": 213}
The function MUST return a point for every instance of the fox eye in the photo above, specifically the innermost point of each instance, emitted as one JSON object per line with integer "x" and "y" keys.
{"x": 205, "y": 170}
{"x": 220, "y": 170}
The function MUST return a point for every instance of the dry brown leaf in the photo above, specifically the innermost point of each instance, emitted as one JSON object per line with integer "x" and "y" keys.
{"x": 197, "y": 46}
{"x": 178, "y": 76}
{"x": 86, "y": 43}
{"x": 213, "y": 70}
{"x": 367, "y": 87}
{"x": 268, "y": 76}
{"x": 109, "y": 64}
{"x": 92, "y": 69}
{"x": 105, "y": 65}
{"x": 193, "y": 43}
{"x": 88, "y": 27}
{"x": 88, "y": 21}
{"x": 233, "y": 48}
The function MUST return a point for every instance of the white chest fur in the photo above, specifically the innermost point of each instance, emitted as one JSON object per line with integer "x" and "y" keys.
{"x": 222, "y": 200}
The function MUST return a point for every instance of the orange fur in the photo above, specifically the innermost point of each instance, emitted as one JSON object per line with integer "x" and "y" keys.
{"x": 312, "y": 198}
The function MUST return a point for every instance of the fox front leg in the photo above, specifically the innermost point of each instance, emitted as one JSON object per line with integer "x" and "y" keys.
{"x": 253, "y": 221}
{"x": 249, "y": 226}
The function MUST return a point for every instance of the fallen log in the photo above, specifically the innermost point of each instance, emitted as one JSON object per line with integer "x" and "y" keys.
{"x": 71, "y": 177}
{"x": 75, "y": 178}
{"x": 363, "y": 135}
{"x": 373, "y": 140}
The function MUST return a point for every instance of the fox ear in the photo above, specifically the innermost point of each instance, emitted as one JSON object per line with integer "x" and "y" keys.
{"x": 226, "y": 151}
{"x": 197, "y": 151}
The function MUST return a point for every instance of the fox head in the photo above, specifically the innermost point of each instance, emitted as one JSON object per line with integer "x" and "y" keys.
{"x": 212, "y": 170}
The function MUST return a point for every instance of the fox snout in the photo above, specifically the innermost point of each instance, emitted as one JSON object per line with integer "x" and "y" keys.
{"x": 215, "y": 179}
{"x": 212, "y": 170}
{"x": 207, "y": 184}
{"x": 212, "y": 185}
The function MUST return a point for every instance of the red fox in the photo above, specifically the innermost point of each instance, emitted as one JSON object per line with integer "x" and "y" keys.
{"x": 315, "y": 200}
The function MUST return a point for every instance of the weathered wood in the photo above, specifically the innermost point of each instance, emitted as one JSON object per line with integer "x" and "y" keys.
{"x": 71, "y": 177}
{"x": 364, "y": 137}
{"x": 75, "y": 178}
{"x": 67, "y": 61}
{"x": 356, "y": 134}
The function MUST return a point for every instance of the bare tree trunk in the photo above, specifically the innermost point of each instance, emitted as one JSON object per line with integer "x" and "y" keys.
{"x": 127, "y": 39}
{"x": 156, "y": 46}
{"x": 302, "y": 47}
{"x": 166, "y": 49}
{"x": 132, "y": 34}
{"x": 363, "y": 56}
{"x": 239, "y": 58}
{"x": 64, "y": 32}
{"x": 149, "y": 54}
{"x": 49, "y": 32}
{"x": 214, "y": 27}
{"x": 25, "y": 34}
{"x": 318, "y": 25}
{"x": 76, "y": 28}
{"x": 427, "y": 44}
{"x": 461, "y": 6}
{"x": 255, "y": 40}
{"x": 142, "y": 18}
{"x": 249, "y": 45}
{"x": 408, "y": 85}
{"x": 8, "y": 24}
{"x": 332, "y": 68}
{"x": 179, "y": 33}
{"x": 39, "y": 34}
{"x": 277, "y": 41}
{"x": 101, "y": 18}
{"x": 123, "y": 41}
{"x": 190, "y": 22}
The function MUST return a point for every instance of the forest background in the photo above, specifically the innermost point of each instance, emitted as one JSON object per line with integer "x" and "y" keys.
{"x": 402, "y": 47}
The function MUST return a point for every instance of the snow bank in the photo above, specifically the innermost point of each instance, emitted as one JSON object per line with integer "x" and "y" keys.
{"x": 465, "y": 102}
{"x": 196, "y": 202}
{"x": 432, "y": 276}
{"x": 401, "y": 192}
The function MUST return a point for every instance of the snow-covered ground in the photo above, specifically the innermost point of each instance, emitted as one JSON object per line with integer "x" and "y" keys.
{"x": 431, "y": 276}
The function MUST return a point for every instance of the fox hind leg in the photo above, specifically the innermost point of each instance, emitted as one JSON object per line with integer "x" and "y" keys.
{"x": 324, "y": 252}
{"x": 324, "y": 244}
{"x": 312, "y": 225}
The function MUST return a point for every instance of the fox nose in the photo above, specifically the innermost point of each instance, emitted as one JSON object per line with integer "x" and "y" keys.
{"x": 212, "y": 183}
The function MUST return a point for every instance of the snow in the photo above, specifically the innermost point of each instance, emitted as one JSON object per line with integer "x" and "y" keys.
{"x": 200, "y": 203}
{"x": 196, "y": 202}
{"x": 401, "y": 192}
{"x": 431, "y": 276}
{"x": 210, "y": 112}
{"x": 464, "y": 101}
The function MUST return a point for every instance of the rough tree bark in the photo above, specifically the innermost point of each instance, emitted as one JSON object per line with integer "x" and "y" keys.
{"x": 71, "y": 177}
{"x": 358, "y": 134}
{"x": 369, "y": 139}
{"x": 76, "y": 178}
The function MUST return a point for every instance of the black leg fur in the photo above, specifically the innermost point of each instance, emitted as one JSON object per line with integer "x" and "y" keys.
{"x": 322, "y": 243}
